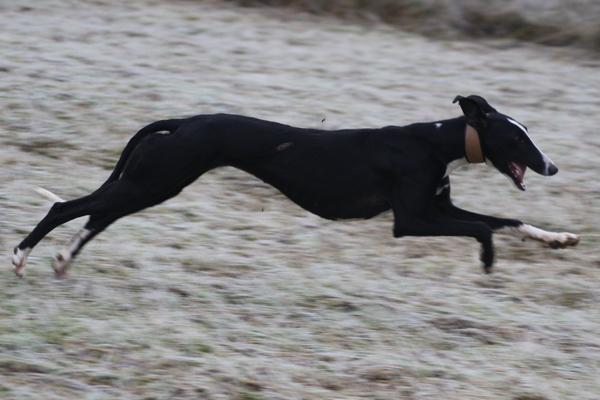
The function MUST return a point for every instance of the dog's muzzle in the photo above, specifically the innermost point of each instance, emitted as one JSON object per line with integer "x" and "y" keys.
{"x": 551, "y": 169}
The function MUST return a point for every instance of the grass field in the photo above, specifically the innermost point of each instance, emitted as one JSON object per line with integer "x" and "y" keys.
{"x": 229, "y": 291}
{"x": 549, "y": 22}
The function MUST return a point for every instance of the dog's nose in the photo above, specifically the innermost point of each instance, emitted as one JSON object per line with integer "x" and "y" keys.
{"x": 552, "y": 169}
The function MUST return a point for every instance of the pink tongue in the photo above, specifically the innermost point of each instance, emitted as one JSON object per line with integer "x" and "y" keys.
{"x": 518, "y": 171}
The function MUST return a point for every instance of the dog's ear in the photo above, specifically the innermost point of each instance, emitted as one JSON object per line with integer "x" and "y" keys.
{"x": 475, "y": 109}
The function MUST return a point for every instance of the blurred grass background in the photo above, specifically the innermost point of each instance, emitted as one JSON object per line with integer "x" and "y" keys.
{"x": 548, "y": 22}
{"x": 230, "y": 291}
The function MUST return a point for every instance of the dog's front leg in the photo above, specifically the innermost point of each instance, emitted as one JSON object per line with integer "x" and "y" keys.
{"x": 556, "y": 240}
{"x": 413, "y": 217}
{"x": 442, "y": 227}
{"x": 444, "y": 207}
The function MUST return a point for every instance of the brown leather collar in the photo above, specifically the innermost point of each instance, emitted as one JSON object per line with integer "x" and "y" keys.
{"x": 473, "y": 151}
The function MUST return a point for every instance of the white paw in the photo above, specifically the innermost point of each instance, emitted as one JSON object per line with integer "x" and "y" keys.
{"x": 563, "y": 239}
{"x": 19, "y": 260}
{"x": 556, "y": 240}
{"x": 61, "y": 262}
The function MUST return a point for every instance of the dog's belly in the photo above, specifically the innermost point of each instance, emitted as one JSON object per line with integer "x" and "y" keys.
{"x": 363, "y": 207}
{"x": 341, "y": 204}
{"x": 344, "y": 189}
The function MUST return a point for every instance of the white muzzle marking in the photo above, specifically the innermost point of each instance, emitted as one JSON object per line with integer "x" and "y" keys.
{"x": 547, "y": 161}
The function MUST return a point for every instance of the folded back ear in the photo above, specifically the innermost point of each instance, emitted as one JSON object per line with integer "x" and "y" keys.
{"x": 475, "y": 109}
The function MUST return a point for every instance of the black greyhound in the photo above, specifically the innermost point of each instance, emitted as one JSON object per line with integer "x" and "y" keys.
{"x": 354, "y": 173}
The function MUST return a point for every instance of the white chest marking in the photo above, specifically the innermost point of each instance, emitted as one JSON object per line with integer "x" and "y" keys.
{"x": 441, "y": 188}
{"x": 449, "y": 168}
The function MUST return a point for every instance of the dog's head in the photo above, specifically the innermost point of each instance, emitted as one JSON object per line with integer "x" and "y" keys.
{"x": 504, "y": 141}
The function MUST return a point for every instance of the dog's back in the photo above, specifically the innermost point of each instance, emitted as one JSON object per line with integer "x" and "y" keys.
{"x": 329, "y": 173}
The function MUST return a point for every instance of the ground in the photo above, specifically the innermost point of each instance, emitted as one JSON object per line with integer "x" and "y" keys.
{"x": 230, "y": 291}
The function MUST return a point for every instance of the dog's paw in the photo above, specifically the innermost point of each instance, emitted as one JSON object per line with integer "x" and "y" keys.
{"x": 563, "y": 240}
{"x": 19, "y": 260}
{"x": 556, "y": 240}
{"x": 487, "y": 258}
{"x": 61, "y": 262}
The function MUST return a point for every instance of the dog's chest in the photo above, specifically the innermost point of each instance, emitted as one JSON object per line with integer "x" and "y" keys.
{"x": 444, "y": 183}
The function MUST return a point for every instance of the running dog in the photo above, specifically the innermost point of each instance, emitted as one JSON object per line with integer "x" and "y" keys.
{"x": 351, "y": 173}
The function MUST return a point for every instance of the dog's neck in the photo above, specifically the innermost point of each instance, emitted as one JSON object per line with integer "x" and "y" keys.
{"x": 456, "y": 142}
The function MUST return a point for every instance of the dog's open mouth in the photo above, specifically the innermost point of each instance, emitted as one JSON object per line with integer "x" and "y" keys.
{"x": 517, "y": 173}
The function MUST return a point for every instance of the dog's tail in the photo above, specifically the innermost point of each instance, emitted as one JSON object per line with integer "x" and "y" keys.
{"x": 49, "y": 195}
{"x": 169, "y": 125}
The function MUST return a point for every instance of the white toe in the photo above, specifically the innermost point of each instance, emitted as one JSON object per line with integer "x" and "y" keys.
{"x": 61, "y": 261}
{"x": 19, "y": 260}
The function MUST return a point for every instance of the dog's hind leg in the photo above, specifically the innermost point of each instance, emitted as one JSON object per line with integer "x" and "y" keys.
{"x": 118, "y": 200}
{"x": 115, "y": 198}
{"x": 94, "y": 226}
{"x": 59, "y": 213}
